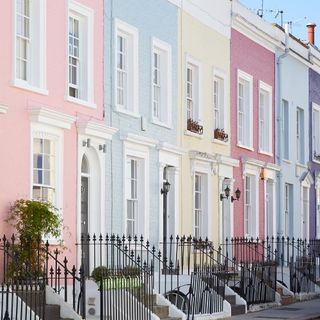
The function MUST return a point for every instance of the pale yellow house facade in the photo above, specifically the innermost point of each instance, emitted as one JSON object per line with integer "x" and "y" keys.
{"x": 204, "y": 120}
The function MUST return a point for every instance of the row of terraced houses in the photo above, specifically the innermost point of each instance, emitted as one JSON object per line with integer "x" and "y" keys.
{"x": 106, "y": 104}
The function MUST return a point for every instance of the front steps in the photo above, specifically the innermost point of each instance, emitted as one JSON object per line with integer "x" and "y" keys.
{"x": 236, "y": 309}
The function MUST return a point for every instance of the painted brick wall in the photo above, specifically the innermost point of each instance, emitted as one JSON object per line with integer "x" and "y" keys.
{"x": 259, "y": 62}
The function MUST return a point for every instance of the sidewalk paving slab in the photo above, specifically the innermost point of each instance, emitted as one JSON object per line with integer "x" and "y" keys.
{"x": 305, "y": 310}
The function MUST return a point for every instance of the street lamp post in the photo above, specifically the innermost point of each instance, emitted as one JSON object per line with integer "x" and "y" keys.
{"x": 164, "y": 191}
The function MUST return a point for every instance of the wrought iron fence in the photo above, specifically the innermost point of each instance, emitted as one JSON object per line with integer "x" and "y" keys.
{"x": 296, "y": 259}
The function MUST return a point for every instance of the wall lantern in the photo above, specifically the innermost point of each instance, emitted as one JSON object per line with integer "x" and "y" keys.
{"x": 166, "y": 187}
{"x": 238, "y": 193}
{"x": 86, "y": 143}
{"x": 226, "y": 194}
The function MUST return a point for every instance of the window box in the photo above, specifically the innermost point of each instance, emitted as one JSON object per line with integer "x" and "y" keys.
{"x": 194, "y": 126}
{"x": 220, "y": 135}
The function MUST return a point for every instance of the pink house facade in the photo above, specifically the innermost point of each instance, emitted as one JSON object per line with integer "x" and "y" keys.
{"x": 51, "y": 110}
{"x": 252, "y": 127}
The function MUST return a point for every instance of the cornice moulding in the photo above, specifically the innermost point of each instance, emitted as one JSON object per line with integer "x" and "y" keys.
{"x": 51, "y": 117}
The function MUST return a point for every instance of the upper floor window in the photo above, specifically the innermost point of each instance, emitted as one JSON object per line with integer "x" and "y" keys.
{"x": 80, "y": 53}
{"x": 265, "y": 118}
{"x": 244, "y": 110}
{"x": 285, "y": 129}
{"x": 29, "y": 43}
{"x": 316, "y": 132}
{"x": 44, "y": 170}
{"x": 193, "y": 96}
{"x": 126, "y": 82}
{"x": 300, "y": 135}
{"x": 219, "y": 107}
{"x": 161, "y": 82}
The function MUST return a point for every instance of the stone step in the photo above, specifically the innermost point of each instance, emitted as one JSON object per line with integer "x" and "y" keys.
{"x": 285, "y": 300}
{"x": 161, "y": 311}
{"x": 231, "y": 299}
{"x": 52, "y": 312}
{"x": 238, "y": 309}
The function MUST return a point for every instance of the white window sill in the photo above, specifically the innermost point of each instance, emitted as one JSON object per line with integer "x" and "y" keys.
{"x": 270, "y": 154}
{"x": 286, "y": 161}
{"x": 245, "y": 147}
{"x": 81, "y": 102}
{"x": 127, "y": 112}
{"x": 21, "y": 84}
{"x": 223, "y": 143}
{"x": 3, "y": 109}
{"x": 301, "y": 165}
{"x": 161, "y": 124}
{"x": 192, "y": 134}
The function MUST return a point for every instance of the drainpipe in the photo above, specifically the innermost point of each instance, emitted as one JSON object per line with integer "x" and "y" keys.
{"x": 279, "y": 114}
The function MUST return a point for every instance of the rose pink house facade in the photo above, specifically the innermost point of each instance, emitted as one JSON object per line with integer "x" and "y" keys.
{"x": 51, "y": 109}
{"x": 252, "y": 138}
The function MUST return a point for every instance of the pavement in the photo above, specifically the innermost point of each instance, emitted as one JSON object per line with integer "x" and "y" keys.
{"x": 305, "y": 310}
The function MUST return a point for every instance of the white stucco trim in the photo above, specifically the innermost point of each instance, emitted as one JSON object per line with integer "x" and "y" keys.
{"x": 51, "y": 117}
{"x": 134, "y": 138}
{"x": 94, "y": 129}
{"x": 3, "y": 109}
{"x": 164, "y": 146}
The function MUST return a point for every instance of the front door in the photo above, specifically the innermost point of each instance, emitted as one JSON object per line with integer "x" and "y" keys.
{"x": 84, "y": 223}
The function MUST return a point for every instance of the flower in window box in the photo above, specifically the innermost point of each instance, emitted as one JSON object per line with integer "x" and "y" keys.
{"x": 194, "y": 126}
{"x": 220, "y": 135}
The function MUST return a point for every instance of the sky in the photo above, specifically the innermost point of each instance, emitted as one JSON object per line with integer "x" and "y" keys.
{"x": 298, "y": 12}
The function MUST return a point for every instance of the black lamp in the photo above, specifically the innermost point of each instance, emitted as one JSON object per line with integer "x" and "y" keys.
{"x": 238, "y": 193}
{"x": 166, "y": 187}
{"x": 226, "y": 193}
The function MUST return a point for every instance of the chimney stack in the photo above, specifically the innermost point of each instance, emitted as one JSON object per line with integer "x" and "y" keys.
{"x": 310, "y": 28}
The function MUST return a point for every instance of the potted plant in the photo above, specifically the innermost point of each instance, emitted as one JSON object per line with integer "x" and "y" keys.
{"x": 194, "y": 126}
{"x": 220, "y": 135}
{"x": 107, "y": 279}
{"x": 33, "y": 220}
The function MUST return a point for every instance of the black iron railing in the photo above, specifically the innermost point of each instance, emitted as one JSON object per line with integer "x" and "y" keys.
{"x": 297, "y": 260}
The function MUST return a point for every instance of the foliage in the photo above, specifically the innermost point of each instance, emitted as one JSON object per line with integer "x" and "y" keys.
{"x": 100, "y": 273}
{"x": 32, "y": 220}
{"x": 35, "y": 219}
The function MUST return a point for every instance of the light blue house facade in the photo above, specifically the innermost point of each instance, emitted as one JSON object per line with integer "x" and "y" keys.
{"x": 292, "y": 139}
{"x": 141, "y": 102}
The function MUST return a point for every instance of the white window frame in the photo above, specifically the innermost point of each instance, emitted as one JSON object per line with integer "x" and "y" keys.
{"x": 220, "y": 123}
{"x": 203, "y": 169}
{"x": 130, "y": 33}
{"x": 196, "y": 89}
{"x": 140, "y": 153}
{"x": 86, "y": 54}
{"x": 315, "y": 132}
{"x": 285, "y": 129}
{"x": 287, "y": 209}
{"x": 163, "y": 49}
{"x": 36, "y": 51}
{"x": 265, "y": 120}
{"x": 248, "y": 113}
{"x": 300, "y": 134}
{"x": 251, "y": 229}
